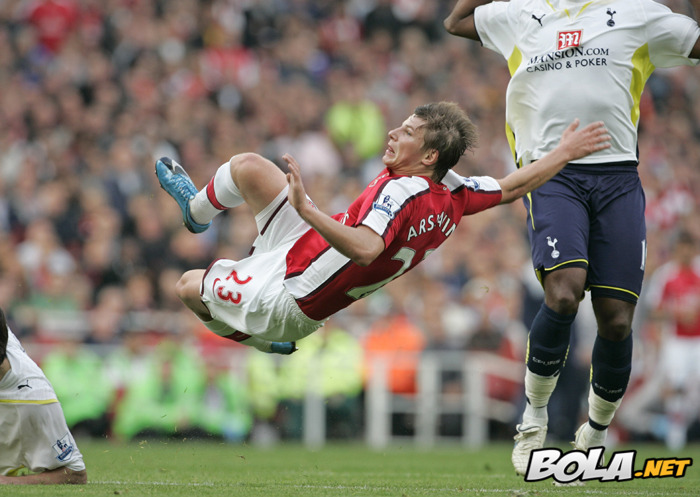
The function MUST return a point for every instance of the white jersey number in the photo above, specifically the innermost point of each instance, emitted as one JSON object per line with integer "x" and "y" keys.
{"x": 404, "y": 255}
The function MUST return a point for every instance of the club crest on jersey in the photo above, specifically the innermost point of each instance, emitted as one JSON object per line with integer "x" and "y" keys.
{"x": 553, "y": 244}
{"x": 471, "y": 183}
{"x": 568, "y": 39}
{"x": 387, "y": 205}
{"x": 63, "y": 448}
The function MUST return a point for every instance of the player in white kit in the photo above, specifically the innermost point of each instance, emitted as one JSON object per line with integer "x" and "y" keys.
{"x": 307, "y": 265}
{"x": 589, "y": 59}
{"x": 34, "y": 436}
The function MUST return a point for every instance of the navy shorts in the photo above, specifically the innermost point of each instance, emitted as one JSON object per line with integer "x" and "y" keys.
{"x": 591, "y": 217}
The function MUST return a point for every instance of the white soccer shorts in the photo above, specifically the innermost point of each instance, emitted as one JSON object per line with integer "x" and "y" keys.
{"x": 36, "y": 437}
{"x": 249, "y": 295}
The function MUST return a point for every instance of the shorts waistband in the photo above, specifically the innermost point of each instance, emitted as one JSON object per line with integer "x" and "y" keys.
{"x": 627, "y": 167}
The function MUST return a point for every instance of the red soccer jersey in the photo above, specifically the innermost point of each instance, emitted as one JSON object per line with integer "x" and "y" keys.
{"x": 411, "y": 213}
{"x": 54, "y": 20}
{"x": 677, "y": 289}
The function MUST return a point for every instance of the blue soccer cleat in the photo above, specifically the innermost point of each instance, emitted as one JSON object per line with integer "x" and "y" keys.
{"x": 284, "y": 348}
{"x": 174, "y": 180}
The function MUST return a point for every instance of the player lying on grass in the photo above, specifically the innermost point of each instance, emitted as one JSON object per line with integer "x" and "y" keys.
{"x": 34, "y": 436}
{"x": 306, "y": 265}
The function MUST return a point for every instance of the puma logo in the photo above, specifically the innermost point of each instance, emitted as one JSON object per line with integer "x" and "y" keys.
{"x": 538, "y": 19}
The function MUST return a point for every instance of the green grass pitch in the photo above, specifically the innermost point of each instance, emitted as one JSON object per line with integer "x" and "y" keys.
{"x": 188, "y": 468}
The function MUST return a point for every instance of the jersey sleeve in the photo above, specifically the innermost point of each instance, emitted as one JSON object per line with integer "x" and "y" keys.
{"x": 671, "y": 36}
{"x": 495, "y": 24}
{"x": 656, "y": 289}
{"x": 381, "y": 212}
{"x": 484, "y": 192}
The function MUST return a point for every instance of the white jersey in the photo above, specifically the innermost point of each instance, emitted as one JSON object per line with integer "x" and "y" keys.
{"x": 33, "y": 430}
{"x": 25, "y": 382}
{"x": 581, "y": 59}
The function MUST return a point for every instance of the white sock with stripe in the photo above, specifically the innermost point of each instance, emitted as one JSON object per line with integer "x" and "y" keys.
{"x": 538, "y": 390}
{"x": 220, "y": 194}
{"x": 223, "y": 330}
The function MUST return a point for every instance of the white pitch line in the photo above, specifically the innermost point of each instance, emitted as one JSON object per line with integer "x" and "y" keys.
{"x": 460, "y": 490}
{"x": 161, "y": 483}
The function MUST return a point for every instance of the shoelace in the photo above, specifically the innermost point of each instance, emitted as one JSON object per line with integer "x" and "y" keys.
{"x": 183, "y": 186}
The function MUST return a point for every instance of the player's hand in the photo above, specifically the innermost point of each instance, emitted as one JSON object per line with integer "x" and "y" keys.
{"x": 590, "y": 139}
{"x": 297, "y": 193}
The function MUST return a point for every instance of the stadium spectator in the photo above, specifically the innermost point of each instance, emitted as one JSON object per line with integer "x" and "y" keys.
{"x": 587, "y": 226}
{"x": 264, "y": 390}
{"x": 223, "y": 409}
{"x": 396, "y": 342}
{"x": 163, "y": 400}
{"x": 328, "y": 364}
{"x": 36, "y": 441}
{"x": 54, "y": 21}
{"x": 355, "y": 123}
{"x": 81, "y": 383}
{"x": 674, "y": 295}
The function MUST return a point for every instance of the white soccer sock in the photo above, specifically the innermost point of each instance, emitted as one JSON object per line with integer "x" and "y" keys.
{"x": 218, "y": 327}
{"x": 220, "y": 194}
{"x": 223, "y": 330}
{"x": 601, "y": 411}
{"x": 258, "y": 343}
{"x": 538, "y": 390}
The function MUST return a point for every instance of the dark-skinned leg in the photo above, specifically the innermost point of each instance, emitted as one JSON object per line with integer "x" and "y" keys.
{"x": 548, "y": 344}
{"x": 548, "y": 341}
{"x": 611, "y": 363}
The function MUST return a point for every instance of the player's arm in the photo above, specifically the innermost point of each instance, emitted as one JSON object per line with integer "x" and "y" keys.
{"x": 360, "y": 244}
{"x": 460, "y": 22}
{"x": 573, "y": 145}
{"x": 691, "y": 9}
{"x": 695, "y": 51}
{"x": 51, "y": 477}
{"x": 695, "y": 12}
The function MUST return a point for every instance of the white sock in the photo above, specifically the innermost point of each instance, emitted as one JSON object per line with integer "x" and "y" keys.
{"x": 538, "y": 390}
{"x": 220, "y": 194}
{"x": 218, "y": 327}
{"x": 535, "y": 415}
{"x": 600, "y": 410}
{"x": 223, "y": 330}
{"x": 258, "y": 343}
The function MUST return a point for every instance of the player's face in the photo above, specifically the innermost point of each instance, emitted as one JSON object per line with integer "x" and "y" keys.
{"x": 404, "y": 153}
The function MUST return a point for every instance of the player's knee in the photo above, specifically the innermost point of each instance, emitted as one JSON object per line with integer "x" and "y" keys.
{"x": 247, "y": 169}
{"x": 614, "y": 318}
{"x": 615, "y": 328}
{"x": 564, "y": 290}
{"x": 563, "y": 301}
{"x": 183, "y": 288}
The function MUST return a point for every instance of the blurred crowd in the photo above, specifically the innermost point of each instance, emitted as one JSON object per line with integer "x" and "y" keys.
{"x": 94, "y": 91}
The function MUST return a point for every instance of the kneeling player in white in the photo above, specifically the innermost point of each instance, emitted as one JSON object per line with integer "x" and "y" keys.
{"x": 34, "y": 436}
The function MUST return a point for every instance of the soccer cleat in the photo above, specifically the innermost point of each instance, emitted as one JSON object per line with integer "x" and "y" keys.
{"x": 174, "y": 180}
{"x": 284, "y": 348}
{"x": 528, "y": 438}
{"x": 587, "y": 437}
